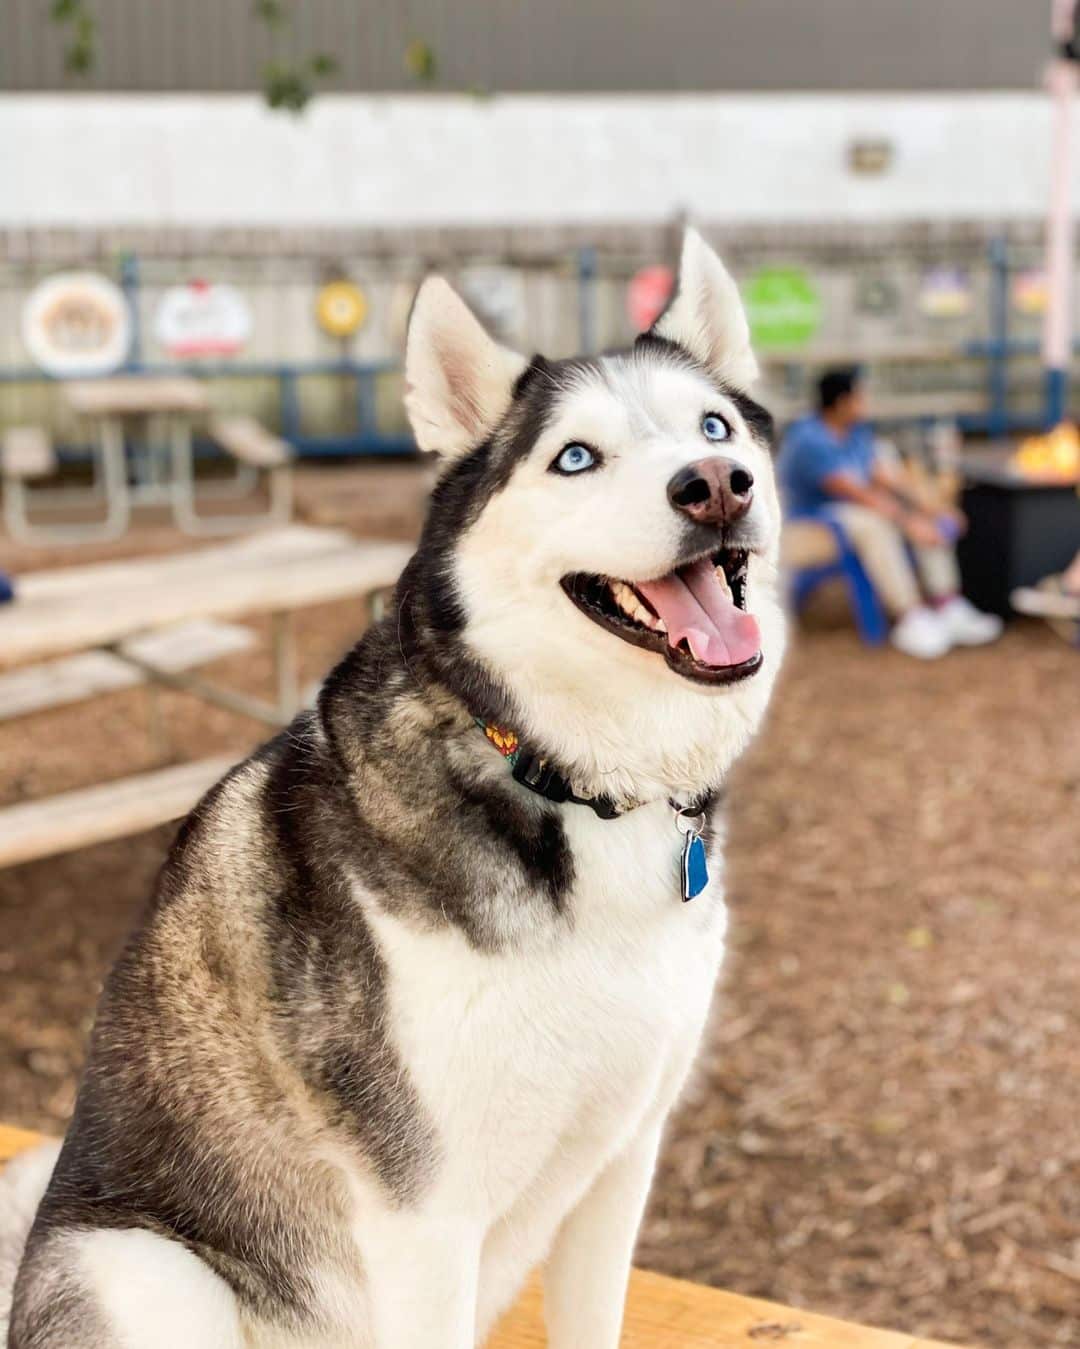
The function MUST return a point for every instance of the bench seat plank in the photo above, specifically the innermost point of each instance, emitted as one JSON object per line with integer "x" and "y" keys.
{"x": 70, "y": 820}
{"x": 663, "y": 1313}
{"x": 27, "y": 452}
{"x": 73, "y": 679}
{"x": 250, "y": 442}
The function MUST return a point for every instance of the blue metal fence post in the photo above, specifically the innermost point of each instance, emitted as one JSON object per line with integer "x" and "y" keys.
{"x": 289, "y": 404}
{"x": 366, "y": 416}
{"x": 129, "y": 284}
{"x": 587, "y": 299}
{"x": 998, "y": 362}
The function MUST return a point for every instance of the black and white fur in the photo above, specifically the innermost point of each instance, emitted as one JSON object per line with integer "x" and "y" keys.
{"x": 396, "y": 1030}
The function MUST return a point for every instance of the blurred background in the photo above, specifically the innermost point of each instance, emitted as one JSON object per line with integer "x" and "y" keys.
{"x": 213, "y": 218}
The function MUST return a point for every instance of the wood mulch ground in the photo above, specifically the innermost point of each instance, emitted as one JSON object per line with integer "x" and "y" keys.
{"x": 885, "y": 1123}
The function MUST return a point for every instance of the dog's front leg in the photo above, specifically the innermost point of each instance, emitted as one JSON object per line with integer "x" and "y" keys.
{"x": 589, "y": 1267}
{"x": 422, "y": 1274}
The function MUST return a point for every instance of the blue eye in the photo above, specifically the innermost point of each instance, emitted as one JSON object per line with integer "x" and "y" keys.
{"x": 714, "y": 427}
{"x": 574, "y": 459}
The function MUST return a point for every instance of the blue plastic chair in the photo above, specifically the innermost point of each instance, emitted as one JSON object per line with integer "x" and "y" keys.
{"x": 871, "y": 620}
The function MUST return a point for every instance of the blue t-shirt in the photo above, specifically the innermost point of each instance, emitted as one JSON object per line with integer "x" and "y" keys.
{"x": 812, "y": 452}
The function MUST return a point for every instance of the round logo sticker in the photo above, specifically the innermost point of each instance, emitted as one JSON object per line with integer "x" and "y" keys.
{"x": 783, "y": 306}
{"x": 341, "y": 308}
{"x": 77, "y": 323}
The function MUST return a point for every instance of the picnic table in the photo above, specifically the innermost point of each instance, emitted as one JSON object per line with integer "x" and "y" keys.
{"x": 152, "y": 420}
{"x": 664, "y": 1313}
{"x": 113, "y": 405}
{"x": 100, "y": 607}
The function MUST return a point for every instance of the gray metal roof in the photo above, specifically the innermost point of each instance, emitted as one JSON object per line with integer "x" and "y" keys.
{"x": 548, "y": 45}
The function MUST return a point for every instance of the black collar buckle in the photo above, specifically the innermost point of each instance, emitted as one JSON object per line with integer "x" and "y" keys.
{"x": 532, "y": 772}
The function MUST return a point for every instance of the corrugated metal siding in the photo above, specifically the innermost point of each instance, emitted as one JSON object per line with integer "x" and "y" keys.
{"x": 557, "y": 45}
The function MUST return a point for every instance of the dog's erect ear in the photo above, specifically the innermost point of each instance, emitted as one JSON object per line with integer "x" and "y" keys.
{"x": 458, "y": 380}
{"x": 707, "y": 318}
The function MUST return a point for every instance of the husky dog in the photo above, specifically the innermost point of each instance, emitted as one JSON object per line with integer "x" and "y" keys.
{"x": 419, "y": 987}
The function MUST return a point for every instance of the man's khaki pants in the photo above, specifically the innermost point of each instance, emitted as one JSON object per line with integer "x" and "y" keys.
{"x": 884, "y": 554}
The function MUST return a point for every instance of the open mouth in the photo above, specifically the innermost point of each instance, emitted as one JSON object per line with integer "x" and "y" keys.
{"x": 695, "y": 617}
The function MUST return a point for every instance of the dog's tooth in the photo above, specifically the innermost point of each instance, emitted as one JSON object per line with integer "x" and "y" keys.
{"x": 650, "y": 620}
{"x": 721, "y": 576}
{"x": 628, "y": 600}
{"x": 624, "y": 597}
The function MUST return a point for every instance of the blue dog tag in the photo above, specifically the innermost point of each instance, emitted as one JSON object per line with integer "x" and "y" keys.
{"x": 695, "y": 869}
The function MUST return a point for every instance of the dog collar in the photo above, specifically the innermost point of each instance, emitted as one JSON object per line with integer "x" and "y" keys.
{"x": 533, "y": 772}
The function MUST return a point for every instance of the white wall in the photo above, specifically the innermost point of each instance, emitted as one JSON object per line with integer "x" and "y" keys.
{"x": 154, "y": 159}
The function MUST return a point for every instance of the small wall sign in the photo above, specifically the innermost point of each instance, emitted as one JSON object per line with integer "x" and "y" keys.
{"x": 202, "y": 319}
{"x": 498, "y": 296}
{"x": 1030, "y": 292}
{"x": 647, "y": 295}
{"x": 341, "y": 308}
{"x": 77, "y": 323}
{"x": 946, "y": 293}
{"x": 783, "y": 306}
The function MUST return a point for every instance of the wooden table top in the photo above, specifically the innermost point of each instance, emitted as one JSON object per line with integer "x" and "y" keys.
{"x": 664, "y": 1313}
{"x": 74, "y": 609}
{"x": 136, "y": 395}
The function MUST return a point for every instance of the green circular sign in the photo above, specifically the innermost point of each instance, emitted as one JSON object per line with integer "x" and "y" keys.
{"x": 783, "y": 306}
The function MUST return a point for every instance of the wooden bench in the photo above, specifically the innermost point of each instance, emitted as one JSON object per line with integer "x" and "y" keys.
{"x": 27, "y": 452}
{"x": 256, "y": 451}
{"x": 111, "y": 810}
{"x": 664, "y": 1313}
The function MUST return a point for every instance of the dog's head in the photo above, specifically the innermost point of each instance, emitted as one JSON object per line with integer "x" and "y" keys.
{"x": 598, "y": 569}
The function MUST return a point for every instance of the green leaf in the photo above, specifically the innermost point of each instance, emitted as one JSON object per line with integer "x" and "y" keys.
{"x": 286, "y": 87}
{"x": 324, "y": 65}
{"x": 271, "y": 12}
{"x": 420, "y": 61}
{"x": 60, "y": 11}
{"x": 78, "y": 58}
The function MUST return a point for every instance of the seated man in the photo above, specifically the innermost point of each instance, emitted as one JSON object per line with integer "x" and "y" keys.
{"x": 829, "y": 467}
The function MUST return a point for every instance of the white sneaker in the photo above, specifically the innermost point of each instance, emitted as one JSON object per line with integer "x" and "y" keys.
{"x": 921, "y": 633}
{"x": 968, "y": 626}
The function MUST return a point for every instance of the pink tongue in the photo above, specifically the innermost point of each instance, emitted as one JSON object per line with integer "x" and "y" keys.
{"x": 694, "y": 605}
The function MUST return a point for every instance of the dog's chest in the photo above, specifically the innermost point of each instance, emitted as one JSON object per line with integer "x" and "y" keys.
{"x": 562, "y": 1042}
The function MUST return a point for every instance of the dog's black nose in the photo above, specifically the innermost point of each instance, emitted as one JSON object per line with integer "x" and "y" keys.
{"x": 712, "y": 491}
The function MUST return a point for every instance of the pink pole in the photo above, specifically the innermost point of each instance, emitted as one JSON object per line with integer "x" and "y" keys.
{"x": 1061, "y": 81}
